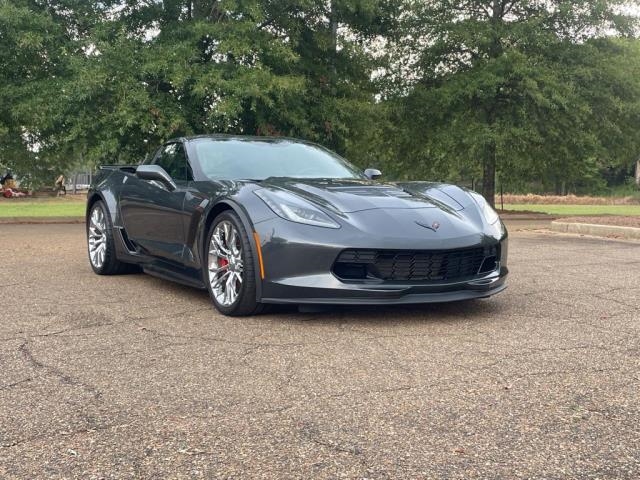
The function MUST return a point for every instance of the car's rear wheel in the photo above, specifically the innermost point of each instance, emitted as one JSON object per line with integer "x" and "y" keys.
{"x": 230, "y": 267}
{"x": 101, "y": 244}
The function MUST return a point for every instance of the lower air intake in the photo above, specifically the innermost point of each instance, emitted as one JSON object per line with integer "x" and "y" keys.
{"x": 415, "y": 265}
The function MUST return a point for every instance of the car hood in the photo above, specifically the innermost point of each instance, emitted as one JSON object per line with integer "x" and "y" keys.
{"x": 349, "y": 196}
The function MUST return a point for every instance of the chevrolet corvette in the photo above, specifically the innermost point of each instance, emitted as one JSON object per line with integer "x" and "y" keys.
{"x": 272, "y": 220}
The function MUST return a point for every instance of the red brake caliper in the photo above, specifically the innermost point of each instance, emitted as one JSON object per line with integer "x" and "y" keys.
{"x": 223, "y": 262}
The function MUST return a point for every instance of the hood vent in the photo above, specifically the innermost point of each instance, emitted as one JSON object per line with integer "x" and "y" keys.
{"x": 372, "y": 191}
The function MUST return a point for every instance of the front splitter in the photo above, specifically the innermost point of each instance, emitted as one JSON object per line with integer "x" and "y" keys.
{"x": 412, "y": 298}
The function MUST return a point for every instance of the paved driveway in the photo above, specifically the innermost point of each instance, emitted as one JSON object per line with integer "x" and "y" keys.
{"x": 135, "y": 377}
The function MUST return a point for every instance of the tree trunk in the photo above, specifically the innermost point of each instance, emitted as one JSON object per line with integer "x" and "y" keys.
{"x": 489, "y": 160}
{"x": 638, "y": 173}
{"x": 489, "y": 174}
{"x": 557, "y": 186}
{"x": 333, "y": 29}
{"x": 333, "y": 26}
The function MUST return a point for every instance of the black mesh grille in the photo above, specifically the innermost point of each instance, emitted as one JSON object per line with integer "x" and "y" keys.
{"x": 415, "y": 265}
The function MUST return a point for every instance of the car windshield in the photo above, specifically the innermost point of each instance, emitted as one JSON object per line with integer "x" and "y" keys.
{"x": 234, "y": 159}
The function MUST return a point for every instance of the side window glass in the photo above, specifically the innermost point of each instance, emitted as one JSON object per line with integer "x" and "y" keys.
{"x": 174, "y": 161}
{"x": 182, "y": 164}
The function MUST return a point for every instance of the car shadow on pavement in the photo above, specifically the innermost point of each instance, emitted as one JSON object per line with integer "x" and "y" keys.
{"x": 459, "y": 310}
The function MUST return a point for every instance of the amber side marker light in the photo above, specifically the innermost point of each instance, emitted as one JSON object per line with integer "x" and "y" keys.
{"x": 256, "y": 237}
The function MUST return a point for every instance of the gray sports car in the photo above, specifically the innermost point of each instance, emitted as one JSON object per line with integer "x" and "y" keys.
{"x": 259, "y": 220}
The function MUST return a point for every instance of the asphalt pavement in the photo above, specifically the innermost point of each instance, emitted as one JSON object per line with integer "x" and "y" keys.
{"x": 136, "y": 377}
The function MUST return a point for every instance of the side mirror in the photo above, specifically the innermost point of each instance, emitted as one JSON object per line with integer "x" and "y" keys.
{"x": 372, "y": 173}
{"x": 156, "y": 173}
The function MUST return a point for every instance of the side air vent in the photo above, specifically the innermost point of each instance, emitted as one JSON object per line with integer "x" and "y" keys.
{"x": 127, "y": 242}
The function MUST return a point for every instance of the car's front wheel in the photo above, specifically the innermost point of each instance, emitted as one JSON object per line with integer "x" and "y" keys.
{"x": 230, "y": 267}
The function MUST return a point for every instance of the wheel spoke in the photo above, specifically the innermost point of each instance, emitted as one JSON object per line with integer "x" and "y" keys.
{"x": 217, "y": 281}
{"x": 226, "y": 297}
{"x": 217, "y": 269}
{"x": 231, "y": 243}
{"x": 221, "y": 249}
{"x": 226, "y": 227}
{"x": 231, "y": 288}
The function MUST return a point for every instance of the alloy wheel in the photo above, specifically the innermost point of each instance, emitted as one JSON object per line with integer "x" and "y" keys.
{"x": 225, "y": 263}
{"x": 97, "y": 237}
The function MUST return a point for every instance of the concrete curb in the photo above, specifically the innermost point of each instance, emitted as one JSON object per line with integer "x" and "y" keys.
{"x": 39, "y": 220}
{"x": 596, "y": 230}
{"x": 526, "y": 216}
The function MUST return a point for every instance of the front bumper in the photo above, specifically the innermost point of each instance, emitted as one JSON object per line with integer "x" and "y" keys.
{"x": 299, "y": 270}
{"x": 326, "y": 289}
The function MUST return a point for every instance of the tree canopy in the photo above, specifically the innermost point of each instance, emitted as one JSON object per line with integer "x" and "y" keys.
{"x": 521, "y": 90}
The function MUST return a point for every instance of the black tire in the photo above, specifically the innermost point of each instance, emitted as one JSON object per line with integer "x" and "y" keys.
{"x": 245, "y": 303}
{"x": 110, "y": 265}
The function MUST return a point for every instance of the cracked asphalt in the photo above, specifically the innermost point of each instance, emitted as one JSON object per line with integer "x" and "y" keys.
{"x": 135, "y": 377}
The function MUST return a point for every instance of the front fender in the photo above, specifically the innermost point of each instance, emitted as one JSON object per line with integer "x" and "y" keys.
{"x": 205, "y": 222}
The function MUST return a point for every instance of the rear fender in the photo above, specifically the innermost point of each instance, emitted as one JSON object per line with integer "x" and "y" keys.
{"x": 107, "y": 188}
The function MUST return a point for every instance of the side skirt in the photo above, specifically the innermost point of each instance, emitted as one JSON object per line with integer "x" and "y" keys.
{"x": 153, "y": 266}
{"x": 167, "y": 273}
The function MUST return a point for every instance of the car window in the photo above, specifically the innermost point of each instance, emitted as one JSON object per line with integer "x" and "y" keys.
{"x": 173, "y": 159}
{"x": 234, "y": 159}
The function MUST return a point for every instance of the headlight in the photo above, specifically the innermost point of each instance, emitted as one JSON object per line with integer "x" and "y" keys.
{"x": 295, "y": 209}
{"x": 488, "y": 213}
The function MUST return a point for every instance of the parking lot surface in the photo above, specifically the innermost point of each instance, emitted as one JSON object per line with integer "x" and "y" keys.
{"x": 136, "y": 377}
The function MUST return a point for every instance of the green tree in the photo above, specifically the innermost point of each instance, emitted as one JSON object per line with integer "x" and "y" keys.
{"x": 514, "y": 86}
{"x": 519, "y": 88}
{"x": 38, "y": 42}
{"x": 334, "y": 43}
{"x": 152, "y": 71}
{"x": 30, "y": 55}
